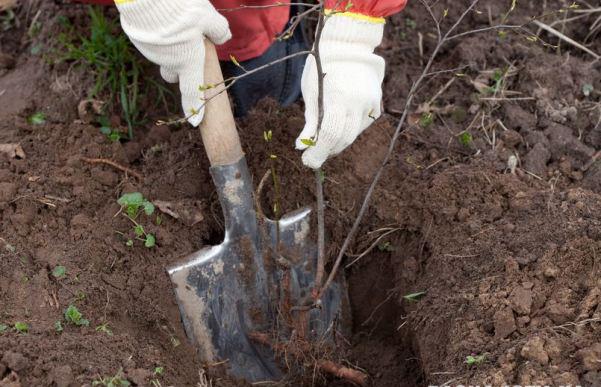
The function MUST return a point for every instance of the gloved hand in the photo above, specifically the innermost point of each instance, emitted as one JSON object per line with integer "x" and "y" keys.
{"x": 170, "y": 33}
{"x": 352, "y": 86}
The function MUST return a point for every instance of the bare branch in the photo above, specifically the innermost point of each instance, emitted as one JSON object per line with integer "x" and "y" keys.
{"x": 395, "y": 137}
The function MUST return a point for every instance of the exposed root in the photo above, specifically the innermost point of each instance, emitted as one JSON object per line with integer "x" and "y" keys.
{"x": 115, "y": 165}
{"x": 298, "y": 351}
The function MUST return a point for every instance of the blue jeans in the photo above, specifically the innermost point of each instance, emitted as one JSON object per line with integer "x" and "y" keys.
{"x": 280, "y": 82}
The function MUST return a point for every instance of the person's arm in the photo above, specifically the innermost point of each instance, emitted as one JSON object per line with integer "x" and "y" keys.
{"x": 353, "y": 77}
{"x": 366, "y": 9}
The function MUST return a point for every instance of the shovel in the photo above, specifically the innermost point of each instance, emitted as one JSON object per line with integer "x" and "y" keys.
{"x": 229, "y": 291}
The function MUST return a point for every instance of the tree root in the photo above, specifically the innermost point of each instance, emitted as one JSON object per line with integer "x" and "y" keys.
{"x": 327, "y": 366}
{"x": 115, "y": 165}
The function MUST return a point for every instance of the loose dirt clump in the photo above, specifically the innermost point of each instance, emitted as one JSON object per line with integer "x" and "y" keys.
{"x": 477, "y": 263}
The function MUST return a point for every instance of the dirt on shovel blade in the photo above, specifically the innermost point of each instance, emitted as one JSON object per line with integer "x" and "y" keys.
{"x": 485, "y": 232}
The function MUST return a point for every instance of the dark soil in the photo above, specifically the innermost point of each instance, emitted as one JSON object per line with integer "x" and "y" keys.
{"x": 510, "y": 261}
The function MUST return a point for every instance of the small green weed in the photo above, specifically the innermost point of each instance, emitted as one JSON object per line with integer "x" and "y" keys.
{"x": 466, "y": 139}
{"x": 426, "y": 120}
{"x": 414, "y": 297}
{"x": 587, "y": 89}
{"x": 386, "y": 247}
{"x": 58, "y": 326}
{"x": 38, "y": 118}
{"x": 108, "y": 131}
{"x": 104, "y": 328}
{"x": 74, "y": 316}
{"x": 475, "y": 359}
{"x": 498, "y": 78}
{"x": 159, "y": 371}
{"x": 118, "y": 70}
{"x": 59, "y": 272}
{"x": 21, "y": 327}
{"x": 132, "y": 204}
{"x": 7, "y": 20}
{"x": 112, "y": 381}
{"x": 3, "y": 328}
{"x": 79, "y": 296}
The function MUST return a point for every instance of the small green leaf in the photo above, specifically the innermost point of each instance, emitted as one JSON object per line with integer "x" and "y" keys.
{"x": 106, "y": 130}
{"x": 308, "y": 142}
{"x": 587, "y": 89}
{"x": 235, "y": 61}
{"x": 131, "y": 199}
{"x": 414, "y": 297}
{"x": 204, "y": 88}
{"x": 466, "y": 138}
{"x": 159, "y": 220}
{"x": 21, "y": 327}
{"x": 3, "y": 328}
{"x": 150, "y": 241}
{"x": 38, "y": 118}
{"x": 35, "y": 49}
{"x": 104, "y": 328}
{"x": 475, "y": 360}
{"x": 58, "y": 326}
{"x": 159, "y": 370}
{"x": 426, "y": 120}
{"x": 139, "y": 230}
{"x": 59, "y": 272}
{"x": 148, "y": 207}
{"x": 114, "y": 136}
{"x": 129, "y": 243}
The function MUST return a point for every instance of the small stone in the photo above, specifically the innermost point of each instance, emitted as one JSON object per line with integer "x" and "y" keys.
{"x": 534, "y": 350}
{"x": 139, "y": 376}
{"x": 15, "y": 361}
{"x": 551, "y": 272}
{"x": 504, "y": 323}
{"x": 554, "y": 349}
{"x": 463, "y": 214}
{"x": 523, "y": 321}
{"x": 511, "y": 265}
{"x": 511, "y": 138}
{"x": 558, "y": 313}
{"x": 590, "y": 357}
{"x": 521, "y": 300}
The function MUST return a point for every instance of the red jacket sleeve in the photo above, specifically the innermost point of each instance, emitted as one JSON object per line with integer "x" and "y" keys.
{"x": 373, "y": 8}
{"x": 102, "y": 2}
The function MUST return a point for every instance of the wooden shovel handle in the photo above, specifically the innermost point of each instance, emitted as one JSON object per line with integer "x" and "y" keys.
{"x": 218, "y": 128}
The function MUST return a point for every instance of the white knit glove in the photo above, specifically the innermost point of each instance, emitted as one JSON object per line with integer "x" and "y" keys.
{"x": 352, "y": 87}
{"x": 171, "y": 34}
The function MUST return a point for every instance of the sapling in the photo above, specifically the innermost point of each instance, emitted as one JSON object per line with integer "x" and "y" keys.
{"x": 132, "y": 204}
